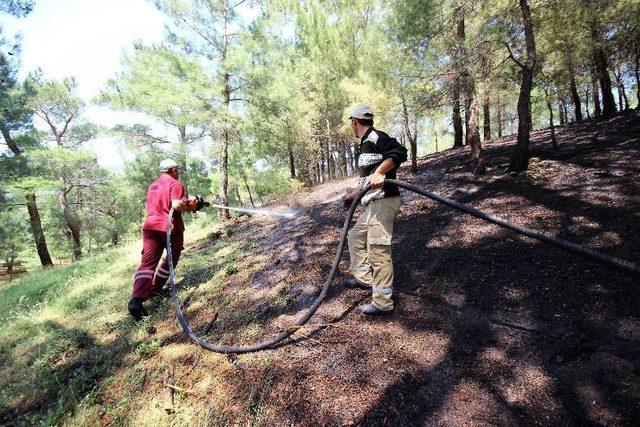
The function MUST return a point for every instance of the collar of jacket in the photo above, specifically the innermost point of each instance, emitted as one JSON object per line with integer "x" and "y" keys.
{"x": 370, "y": 135}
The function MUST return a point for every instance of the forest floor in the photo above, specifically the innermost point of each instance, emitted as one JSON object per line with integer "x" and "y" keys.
{"x": 489, "y": 328}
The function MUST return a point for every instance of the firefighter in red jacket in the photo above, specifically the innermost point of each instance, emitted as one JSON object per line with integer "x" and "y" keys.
{"x": 166, "y": 192}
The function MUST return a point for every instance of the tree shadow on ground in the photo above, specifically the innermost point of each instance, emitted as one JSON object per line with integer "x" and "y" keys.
{"x": 536, "y": 335}
{"x": 490, "y": 327}
{"x": 71, "y": 366}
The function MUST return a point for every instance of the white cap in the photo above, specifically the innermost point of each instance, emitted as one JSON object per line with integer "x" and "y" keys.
{"x": 362, "y": 111}
{"x": 167, "y": 164}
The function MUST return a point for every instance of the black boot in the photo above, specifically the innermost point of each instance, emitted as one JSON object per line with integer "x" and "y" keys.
{"x": 352, "y": 282}
{"x": 372, "y": 310}
{"x": 136, "y": 309}
{"x": 164, "y": 292}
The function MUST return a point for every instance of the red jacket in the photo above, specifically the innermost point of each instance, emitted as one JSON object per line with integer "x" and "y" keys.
{"x": 159, "y": 197}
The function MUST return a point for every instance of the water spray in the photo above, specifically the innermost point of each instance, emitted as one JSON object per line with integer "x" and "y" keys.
{"x": 256, "y": 211}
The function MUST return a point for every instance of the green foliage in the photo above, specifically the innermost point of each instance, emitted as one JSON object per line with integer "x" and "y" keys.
{"x": 277, "y": 89}
{"x": 58, "y": 104}
{"x": 165, "y": 85}
{"x": 197, "y": 179}
{"x": 275, "y": 182}
{"x": 14, "y": 236}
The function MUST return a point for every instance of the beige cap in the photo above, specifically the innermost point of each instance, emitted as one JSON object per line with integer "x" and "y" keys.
{"x": 362, "y": 111}
{"x": 167, "y": 164}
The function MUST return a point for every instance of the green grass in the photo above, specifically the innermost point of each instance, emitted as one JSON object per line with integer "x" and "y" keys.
{"x": 71, "y": 355}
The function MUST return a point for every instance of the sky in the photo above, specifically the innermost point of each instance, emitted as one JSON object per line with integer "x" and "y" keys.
{"x": 86, "y": 39}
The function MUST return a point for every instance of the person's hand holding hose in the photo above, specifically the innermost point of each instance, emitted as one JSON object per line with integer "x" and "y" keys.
{"x": 377, "y": 180}
{"x": 196, "y": 203}
{"x": 348, "y": 199}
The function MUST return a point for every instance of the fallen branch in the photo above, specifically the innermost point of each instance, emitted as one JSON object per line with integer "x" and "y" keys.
{"x": 168, "y": 397}
{"x": 179, "y": 389}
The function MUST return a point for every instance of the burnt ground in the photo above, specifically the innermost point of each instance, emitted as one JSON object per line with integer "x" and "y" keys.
{"x": 489, "y": 328}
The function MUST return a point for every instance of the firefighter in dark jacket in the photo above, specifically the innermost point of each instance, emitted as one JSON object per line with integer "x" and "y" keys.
{"x": 370, "y": 237}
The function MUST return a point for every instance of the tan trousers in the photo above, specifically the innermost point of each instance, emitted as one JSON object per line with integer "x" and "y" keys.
{"x": 370, "y": 249}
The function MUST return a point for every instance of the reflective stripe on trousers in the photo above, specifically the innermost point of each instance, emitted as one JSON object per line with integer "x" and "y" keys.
{"x": 153, "y": 245}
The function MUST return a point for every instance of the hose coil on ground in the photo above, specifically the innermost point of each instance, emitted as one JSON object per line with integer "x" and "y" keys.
{"x": 611, "y": 261}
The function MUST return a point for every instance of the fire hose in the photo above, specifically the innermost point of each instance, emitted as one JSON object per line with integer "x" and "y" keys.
{"x": 611, "y": 261}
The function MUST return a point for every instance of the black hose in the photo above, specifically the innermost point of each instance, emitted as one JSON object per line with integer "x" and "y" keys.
{"x": 612, "y": 261}
{"x": 618, "y": 263}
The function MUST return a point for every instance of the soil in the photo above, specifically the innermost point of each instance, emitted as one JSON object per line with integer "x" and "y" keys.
{"x": 489, "y": 327}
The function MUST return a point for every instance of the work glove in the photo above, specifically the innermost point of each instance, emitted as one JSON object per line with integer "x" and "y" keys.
{"x": 196, "y": 203}
{"x": 347, "y": 202}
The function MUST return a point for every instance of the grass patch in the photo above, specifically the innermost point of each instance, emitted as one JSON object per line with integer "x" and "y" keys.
{"x": 71, "y": 355}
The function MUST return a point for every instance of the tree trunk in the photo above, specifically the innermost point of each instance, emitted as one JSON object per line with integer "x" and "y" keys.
{"x": 620, "y": 101}
{"x": 473, "y": 129}
{"x": 36, "y": 230}
{"x": 329, "y": 159}
{"x": 11, "y": 260}
{"x": 464, "y": 74}
{"x": 595, "y": 91}
{"x": 304, "y": 174}
{"x": 343, "y": 157}
{"x": 356, "y": 154}
{"x": 600, "y": 61}
{"x": 563, "y": 119}
{"x": 608, "y": 101}
{"x": 554, "y": 141}
{"x": 9, "y": 140}
{"x": 292, "y": 164}
{"x": 32, "y": 207}
{"x": 520, "y": 158}
{"x": 467, "y": 106}
{"x": 224, "y": 151}
{"x": 407, "y": 131}
{"x": 486, "y": 98}
{"x": 246, "y": 185}
{"x": 623, "y": 101}
{"x": 337, "y": 166}
{"x": 237, "y": 191}
{"x": 577, "y": 105}
{"x": 586, "y": 102}
{"x": 331, "y": 149}
{"x": 486, "y": 114}
{"x": 331, "y": 170}
{"x": 637, "y": 72}
{"x": 500, "y": 118}
{"x": 347, "y": 147}
{"x": 322, "y": 164}
{"x": 224, "y": 140}
{"x": 73, "y": 225}
{"x": 457, "y": 118}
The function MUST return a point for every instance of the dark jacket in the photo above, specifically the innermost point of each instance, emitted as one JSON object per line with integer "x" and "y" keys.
{"x": 375, "y": 147}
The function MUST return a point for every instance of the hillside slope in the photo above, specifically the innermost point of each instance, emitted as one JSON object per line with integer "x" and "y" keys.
{"x": 490, "y": 328}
